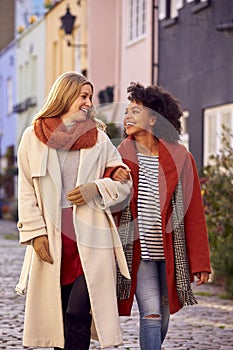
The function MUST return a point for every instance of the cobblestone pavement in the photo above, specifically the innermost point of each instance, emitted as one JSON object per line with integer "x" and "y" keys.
{"x": 208, "y": 325}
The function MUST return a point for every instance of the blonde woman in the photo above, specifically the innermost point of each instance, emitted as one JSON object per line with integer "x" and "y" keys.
{"x": 65, "y": 219}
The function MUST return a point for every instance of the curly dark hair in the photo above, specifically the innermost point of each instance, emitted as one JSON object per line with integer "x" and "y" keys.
{"x": 162, "y": 103}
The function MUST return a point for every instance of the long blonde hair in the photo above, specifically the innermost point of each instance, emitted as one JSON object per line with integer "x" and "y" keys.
{"x": 63, "y": 93}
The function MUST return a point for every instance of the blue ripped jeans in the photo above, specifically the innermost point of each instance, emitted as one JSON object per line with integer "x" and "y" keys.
{"x": 152, "y": 299}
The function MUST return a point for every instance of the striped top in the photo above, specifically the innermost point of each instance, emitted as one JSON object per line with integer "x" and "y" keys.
{"x": 149, "y": 216}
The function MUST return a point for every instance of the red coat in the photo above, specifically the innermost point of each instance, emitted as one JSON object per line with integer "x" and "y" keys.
{"x": 174, "y": 162}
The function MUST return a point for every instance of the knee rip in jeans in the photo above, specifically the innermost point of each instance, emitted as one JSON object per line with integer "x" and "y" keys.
{"x": 153, "y": 316}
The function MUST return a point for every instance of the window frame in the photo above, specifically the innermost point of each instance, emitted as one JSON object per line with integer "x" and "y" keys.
{"x": 9, "y": 92}
{"x": 217, "y": 114}
{"x": 136, "y": 20}
{"x": 169, "y": 9}
{"x": 184, "y": 137}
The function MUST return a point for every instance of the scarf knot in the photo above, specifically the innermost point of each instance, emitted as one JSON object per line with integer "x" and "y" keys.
{"x": 52, "y": 132}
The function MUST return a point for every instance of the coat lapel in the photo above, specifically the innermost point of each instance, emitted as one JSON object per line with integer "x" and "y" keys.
{"x": 54, "y": 168}
{"x": 45, "y": 159}
{"x": 38, "y": 163}
{"x": 171, "y": 163}
{"x": 88, "y": 157}
{"x": 50, "y": 187}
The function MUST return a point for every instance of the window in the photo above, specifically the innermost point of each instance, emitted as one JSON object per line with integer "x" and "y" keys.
{"x": 26, "y": 78}
{"x": 137, "y": 19}
{"x": 34, "y": 76}
{"x": 9, "y": 88}
{"x": 185, "y": 129}
{"x": 169, "y": 8}
{"x": 214, "y": 119}
{"x": 196, "y": 1}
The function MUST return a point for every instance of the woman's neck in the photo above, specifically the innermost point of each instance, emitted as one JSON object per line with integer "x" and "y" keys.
{"x": 148, "y": 145}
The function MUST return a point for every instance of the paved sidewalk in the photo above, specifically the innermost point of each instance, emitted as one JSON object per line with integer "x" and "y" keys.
{"x": 208, "y": 325}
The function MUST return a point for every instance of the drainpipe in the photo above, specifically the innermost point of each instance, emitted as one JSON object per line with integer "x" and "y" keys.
{"x": 155, "y": 44}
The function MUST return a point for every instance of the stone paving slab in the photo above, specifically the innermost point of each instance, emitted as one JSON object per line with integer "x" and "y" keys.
{"x": 208, "y": 325}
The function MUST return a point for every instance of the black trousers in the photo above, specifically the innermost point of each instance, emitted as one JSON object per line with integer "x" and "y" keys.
{"x": 75, "y": 299}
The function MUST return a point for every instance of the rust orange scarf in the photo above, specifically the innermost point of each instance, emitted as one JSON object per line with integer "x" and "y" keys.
{"x": 54, "y": 133}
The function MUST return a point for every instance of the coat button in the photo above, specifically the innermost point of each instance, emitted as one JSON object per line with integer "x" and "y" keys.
{"x": 20, "y": 225}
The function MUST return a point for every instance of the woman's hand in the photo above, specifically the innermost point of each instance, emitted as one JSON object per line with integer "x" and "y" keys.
{"x": 203, "y": 277}
{"x": 121, "y": 174}
{"x": 41, "y": 247}
{"x": 83, "y": 194}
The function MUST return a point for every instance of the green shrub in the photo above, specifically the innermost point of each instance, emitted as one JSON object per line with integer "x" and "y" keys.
{"x": 218, "y": 199}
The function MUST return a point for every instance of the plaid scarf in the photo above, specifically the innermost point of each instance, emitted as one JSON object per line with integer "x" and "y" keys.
{"x": 183, "y": 285}
{"x": 126, "y": 232}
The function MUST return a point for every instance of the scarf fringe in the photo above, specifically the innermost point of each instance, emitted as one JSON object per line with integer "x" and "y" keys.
{"x": 126, "y": 233}
{"x": 183, "y": 285}
{"x": 186, "y": 297}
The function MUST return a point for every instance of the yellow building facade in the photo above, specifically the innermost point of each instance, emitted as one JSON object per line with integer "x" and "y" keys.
{"x": 59, "y": 56}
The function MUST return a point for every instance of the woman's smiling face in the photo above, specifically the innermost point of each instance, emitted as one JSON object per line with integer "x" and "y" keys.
{"x": 78, "y": 111}
{"x": 138, "y": 119}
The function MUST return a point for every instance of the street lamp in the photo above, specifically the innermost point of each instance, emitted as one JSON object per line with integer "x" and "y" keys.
{"x": 68, "y": 24}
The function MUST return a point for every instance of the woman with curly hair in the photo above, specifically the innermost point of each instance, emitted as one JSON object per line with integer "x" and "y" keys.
{"x": 164, "y": 229}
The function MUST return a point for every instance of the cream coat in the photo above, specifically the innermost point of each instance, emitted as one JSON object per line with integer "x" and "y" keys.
{"x": 98, "y": 241}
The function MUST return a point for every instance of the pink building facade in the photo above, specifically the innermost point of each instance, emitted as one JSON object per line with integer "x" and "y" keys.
{"x": 122, "y": 42}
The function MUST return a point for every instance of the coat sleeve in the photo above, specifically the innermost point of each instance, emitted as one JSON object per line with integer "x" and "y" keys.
{"x": 112, "y": 192}
{"x": 194, "y": 219}
{"x": 31, "y": 223}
